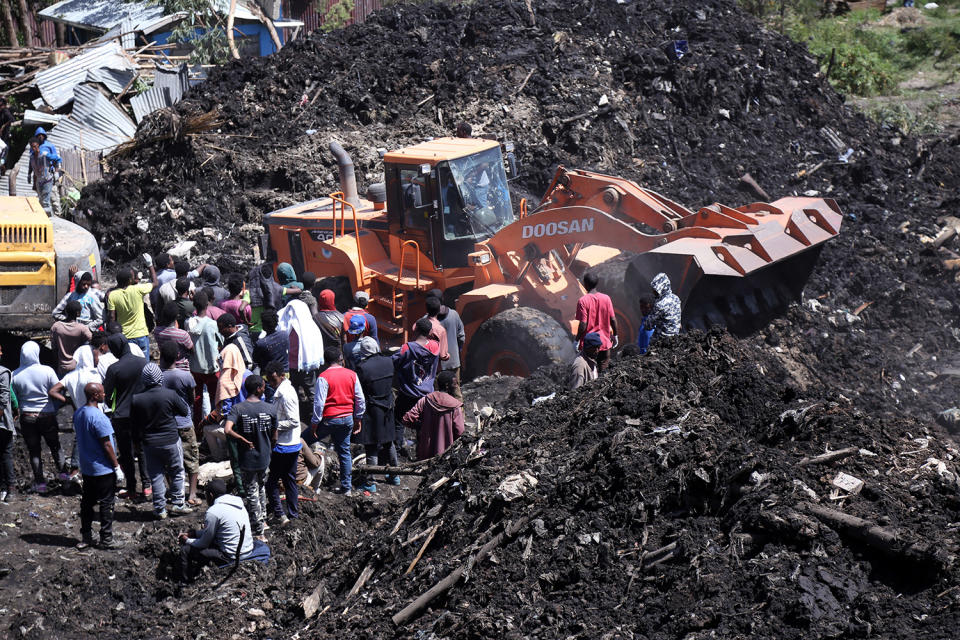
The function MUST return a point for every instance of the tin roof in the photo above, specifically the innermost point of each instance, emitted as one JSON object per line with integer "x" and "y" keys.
{"x": 169, "y": 85}
{"x": 56, "y": 84}
{"x": 101, "y": 15}
{"x": 114, "y": 79}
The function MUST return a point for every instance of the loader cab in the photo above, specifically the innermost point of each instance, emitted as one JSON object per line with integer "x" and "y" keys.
{"x": 447, "y": 194}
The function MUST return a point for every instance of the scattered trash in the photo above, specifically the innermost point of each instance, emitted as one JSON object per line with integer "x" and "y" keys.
{"x": 848, "y": 483}
{"x": 537, "y": 401}
{"x": 516, "y": 486}
{"x": 845, "y": 156}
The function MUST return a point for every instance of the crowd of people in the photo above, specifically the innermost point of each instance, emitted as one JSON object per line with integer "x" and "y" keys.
{"x": 251, "y": 369}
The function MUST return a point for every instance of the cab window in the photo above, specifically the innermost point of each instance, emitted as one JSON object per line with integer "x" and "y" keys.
{"x": 415, "y": 199}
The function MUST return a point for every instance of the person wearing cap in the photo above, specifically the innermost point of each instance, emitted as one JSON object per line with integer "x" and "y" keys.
{"x": 210, "y": 277}
{"x": 375, "y": 372}
{"x": 585, "y": 365}
{"x": 360, "y": 301}
{"x": 156, "y": 410}
{"x": 355, "y": 330}
{"x": 44, "y": 172}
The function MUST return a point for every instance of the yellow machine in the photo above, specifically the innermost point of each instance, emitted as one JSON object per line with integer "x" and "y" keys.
{"x": 36, "y": 252}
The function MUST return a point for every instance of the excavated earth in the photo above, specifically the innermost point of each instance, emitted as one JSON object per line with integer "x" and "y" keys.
{"x": 678, "y": 496}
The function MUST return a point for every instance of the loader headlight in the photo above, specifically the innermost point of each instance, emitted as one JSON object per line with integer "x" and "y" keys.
{"x": 480, "y": 258}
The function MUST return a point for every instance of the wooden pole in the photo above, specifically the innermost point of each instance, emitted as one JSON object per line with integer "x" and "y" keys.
{"x": 454, "y": 576}
{"x": 391, "y": 471}
{"x": 230, "y": 41}
{"x": 25, "y": 16}
{"x": 10, "y": 24}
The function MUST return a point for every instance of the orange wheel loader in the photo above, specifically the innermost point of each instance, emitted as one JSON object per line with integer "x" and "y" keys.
{"x": 443, "y": 218}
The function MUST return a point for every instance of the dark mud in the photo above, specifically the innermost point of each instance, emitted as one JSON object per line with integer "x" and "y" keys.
{"x": 856, "y": 365}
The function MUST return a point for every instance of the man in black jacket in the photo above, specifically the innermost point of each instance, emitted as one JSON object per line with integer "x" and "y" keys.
{"x": 157, "y": 408}
{"x": 375, "y": 372}
{"x": 274, "y": 346}
{"x": 120, "y": 383}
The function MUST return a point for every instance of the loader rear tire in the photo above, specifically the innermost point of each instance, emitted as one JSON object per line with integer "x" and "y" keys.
{"x": 516, "y": 342}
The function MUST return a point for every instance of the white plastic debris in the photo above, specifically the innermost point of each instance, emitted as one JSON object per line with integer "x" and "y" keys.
{"x": 537, "y": 401}
{"x": 850, "y": 484}
{"x": 516, "y": 486}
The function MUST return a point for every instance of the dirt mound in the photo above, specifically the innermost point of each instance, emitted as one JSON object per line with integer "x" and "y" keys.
{"x": 668, "y": 501}
{"x": 588, "y": 85}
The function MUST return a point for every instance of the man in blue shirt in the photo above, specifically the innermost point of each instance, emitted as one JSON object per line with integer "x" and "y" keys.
{"x": 99, "y": 466}
{"x": 44, "y": 170}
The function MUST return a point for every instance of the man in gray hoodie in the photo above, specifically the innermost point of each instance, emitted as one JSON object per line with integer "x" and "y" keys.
{"x": 226, "y": 526}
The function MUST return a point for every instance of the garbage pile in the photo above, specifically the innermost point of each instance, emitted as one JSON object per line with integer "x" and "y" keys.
{"x": 691, "y": 493}
{"x": 602, "y": 86}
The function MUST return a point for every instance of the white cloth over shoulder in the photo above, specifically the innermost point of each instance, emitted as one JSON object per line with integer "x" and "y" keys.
{"x": 296, "y": 317}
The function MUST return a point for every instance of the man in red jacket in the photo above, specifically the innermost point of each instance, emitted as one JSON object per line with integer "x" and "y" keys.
{"x": 437, "y": 417}
{"x": 338, "y": 405}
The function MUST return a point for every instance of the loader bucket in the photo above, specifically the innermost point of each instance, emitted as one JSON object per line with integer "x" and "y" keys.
{"x": 745, "y": 279}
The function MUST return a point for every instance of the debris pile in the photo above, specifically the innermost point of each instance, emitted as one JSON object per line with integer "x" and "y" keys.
{"x": 97, "y": 83}
{"x": 693, "y": 491}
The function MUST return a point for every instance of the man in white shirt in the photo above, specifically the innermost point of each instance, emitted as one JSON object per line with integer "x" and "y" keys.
{"x": 286, "y": 450}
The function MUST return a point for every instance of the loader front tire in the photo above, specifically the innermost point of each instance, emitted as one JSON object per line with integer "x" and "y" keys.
{"x": 516, "y": 342}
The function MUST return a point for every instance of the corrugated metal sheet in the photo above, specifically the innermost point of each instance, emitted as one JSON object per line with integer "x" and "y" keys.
{"x": 95, "y": 111}
{"x": 56, "y": 84}
{"x": 176, "y": 79}
{"x": 113, "y": 79}
{"x": 169, "y": 85}
{"x": 32, "y": 118}
{"x": 242, "y": 12}
{"x": 150, "y": 101}
{"x": 101, "y": 14}
{"x": 156, "y": 24}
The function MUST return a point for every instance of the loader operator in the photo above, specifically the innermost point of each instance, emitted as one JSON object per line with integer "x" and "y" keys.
{"x": 474, "y": 200}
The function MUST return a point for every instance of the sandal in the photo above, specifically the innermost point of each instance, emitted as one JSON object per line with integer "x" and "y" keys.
{"x": 194, "y": 502}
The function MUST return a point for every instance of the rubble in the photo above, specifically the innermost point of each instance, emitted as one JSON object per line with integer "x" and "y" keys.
{"x": 686, "y": 494}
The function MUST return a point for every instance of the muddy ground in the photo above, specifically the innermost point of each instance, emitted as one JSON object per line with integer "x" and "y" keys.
{"x": 703, "y": 443}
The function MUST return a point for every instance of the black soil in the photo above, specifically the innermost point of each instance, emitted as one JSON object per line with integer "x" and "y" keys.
{"x": 699, "y": 444}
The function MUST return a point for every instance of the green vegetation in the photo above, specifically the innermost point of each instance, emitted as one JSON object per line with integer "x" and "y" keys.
{"x": 864, "y": 58}
{"x": 337, "y": 15}
{"x": 907, "y": 122}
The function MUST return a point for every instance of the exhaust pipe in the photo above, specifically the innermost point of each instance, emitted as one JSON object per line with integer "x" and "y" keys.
{"x": 348, "y": 178}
